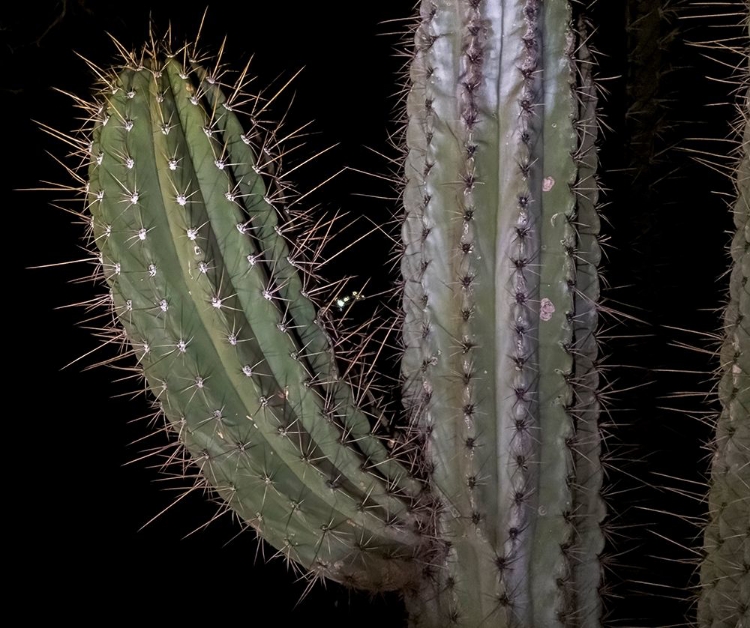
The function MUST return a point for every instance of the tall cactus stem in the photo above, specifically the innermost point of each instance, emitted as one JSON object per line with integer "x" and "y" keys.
{"x": 724, "y": 600}
{"x": 500, "y": 236}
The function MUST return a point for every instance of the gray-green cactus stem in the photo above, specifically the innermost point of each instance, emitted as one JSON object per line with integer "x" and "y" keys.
{"x": 500, "y": 256}
{"x": 725, "y": 571}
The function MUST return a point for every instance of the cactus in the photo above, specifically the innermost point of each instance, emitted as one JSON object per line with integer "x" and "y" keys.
{"x": 485, "y": 506}
{"x": 725, "y": 569}
{"x": 500, "y": 291}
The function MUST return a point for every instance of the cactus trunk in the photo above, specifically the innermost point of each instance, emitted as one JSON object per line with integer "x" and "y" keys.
{"x": 500, "y": 299}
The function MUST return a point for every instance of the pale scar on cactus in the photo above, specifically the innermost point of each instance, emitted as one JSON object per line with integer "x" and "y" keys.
{"x": 486, "y": 507}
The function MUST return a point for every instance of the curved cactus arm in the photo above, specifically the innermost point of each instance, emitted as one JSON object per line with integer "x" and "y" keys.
{"x": 725, "y": 572}
{"x": 191, "y": 249}
{"x": 500, "y": 275}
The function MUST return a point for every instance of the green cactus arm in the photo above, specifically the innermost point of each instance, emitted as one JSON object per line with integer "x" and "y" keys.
{"x": 306, "y": 321}
{"x": 263, "y": 315}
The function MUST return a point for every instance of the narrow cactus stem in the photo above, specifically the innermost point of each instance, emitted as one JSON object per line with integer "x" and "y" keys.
{"x": 501, "y": 285}
{"x": 193, "y": 251}
{"x": 651, "y": 35}
{"x": 725, "y": 571}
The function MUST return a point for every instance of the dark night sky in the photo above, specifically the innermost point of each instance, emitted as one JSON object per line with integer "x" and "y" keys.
{"x": 78, "y": 507}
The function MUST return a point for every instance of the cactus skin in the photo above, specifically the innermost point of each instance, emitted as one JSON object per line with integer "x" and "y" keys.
{"x": 725, "y": 571}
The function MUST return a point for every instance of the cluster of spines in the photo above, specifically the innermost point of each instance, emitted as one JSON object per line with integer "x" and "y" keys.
{"x": 246, "y": 376}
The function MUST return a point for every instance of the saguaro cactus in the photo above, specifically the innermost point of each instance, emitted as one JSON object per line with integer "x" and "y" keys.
{"x": 486, "y": 507}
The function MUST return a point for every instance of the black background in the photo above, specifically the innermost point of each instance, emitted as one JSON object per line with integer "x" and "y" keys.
{"x": 76, "y": 506}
